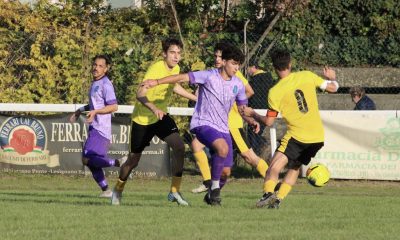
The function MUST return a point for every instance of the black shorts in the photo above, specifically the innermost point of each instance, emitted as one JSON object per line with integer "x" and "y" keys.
{"x": 141, "y": 135}
{"x": 299, "y": 153}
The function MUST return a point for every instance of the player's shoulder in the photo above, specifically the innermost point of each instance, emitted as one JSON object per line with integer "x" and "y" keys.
{"x": 159, "y": 67}
{"x": 305, "y": 74}
{"x": 156, "y": 65}
{"x": 237, "y": 80}
{"x": 106, "y": 80}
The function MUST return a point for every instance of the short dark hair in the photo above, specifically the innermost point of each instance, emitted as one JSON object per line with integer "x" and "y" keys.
{"x": 103, "y": 56}
{"x": 357, "y": 91}
{"x": 231, "y": 52}
{"x": 169, "y": 42}
{"x": 221, "y": 46}
{"x": 254, "y": 62}
{"x": 280, "y": 59}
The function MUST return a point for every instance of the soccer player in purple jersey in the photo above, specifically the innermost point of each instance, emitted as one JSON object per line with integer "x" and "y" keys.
{"x": 102, "y": 102}
{"x": 218, "y": 90}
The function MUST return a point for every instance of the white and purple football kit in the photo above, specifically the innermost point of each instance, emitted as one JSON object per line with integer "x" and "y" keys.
{"x": 210, "y": 119}
{"x": 101, "y": 94}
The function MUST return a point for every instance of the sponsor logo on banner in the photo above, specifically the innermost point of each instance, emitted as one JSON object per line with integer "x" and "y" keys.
{"x": 23, "y": 141}
{"x": 391, "y": 135}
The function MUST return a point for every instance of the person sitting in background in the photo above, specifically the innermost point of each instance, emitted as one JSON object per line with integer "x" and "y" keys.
{"x": 362, "y": 101}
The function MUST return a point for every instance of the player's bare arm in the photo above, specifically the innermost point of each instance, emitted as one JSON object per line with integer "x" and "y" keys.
{"x": 177, "y": 78}
{"x": 331, "y": 85}
{"x": 249, "y": 91}
{"x": 178, "y": 89}
{"x": 105, "y": 110}
{"x": 267, "y": 120}
{"x": 142, "y": 98}
{"x": 78, "y": 112}
{"x": 250, "y": 120}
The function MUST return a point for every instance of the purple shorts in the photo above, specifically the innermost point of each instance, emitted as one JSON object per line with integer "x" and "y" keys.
{"x": 95, "y": 144}
{"x": 207, "y": 135}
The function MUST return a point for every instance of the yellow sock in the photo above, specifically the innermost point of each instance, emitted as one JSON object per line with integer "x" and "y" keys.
{"x": 120, "y": 185}
{"x": 202, "y": 162}
{"x": 176, "y": 184}
{"x": 269, "y": 186}
{"x": 262, "y": 167}
{"x": 284, "y": 190}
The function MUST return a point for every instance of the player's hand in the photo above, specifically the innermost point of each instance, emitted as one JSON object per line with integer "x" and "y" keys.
{"x": 256, "y": 126}
{"x": 247, "y": 111}
{"x": 329, "y": 73}
{"x": 149, "y": 83}
{"x": 74, "y": 116}
{"x": 159, "y": 113}
{"x": 90, "y": 116}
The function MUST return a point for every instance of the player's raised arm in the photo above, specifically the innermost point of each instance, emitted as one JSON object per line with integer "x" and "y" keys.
{"x": 178, "y": 89}
{"x": 330, "y": 85}
{"x": 250, "y": 120}
{"x": 267, "y": 120}
{"x": 177, "y": 78}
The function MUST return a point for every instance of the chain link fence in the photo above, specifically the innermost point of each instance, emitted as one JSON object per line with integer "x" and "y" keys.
{"x": 379, "y": 78}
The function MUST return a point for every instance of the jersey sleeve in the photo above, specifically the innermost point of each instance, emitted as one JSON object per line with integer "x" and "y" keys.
{"x": 273, "y": 103}
{"x": 109, "y": 94}
{"x": 199, "y": 77}
{"x": 241, "y": 98}
{"x": 318, "y": 81}
{"x": 151, "y": 73}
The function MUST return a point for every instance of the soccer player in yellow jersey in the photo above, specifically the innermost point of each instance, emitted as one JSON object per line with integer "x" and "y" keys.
{"x": 240, "y": 143}
{"x": 295, "y": 98}
{"x": 149, "y": 118}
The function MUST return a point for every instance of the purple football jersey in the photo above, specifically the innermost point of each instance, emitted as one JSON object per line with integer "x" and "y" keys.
{"x": 101, "y": 94}
{"x": 215, "y": 99}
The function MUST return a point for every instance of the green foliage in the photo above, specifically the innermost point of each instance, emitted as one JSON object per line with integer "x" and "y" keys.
{"x": 46, "y": 51}
{"x": 344, "y": 33}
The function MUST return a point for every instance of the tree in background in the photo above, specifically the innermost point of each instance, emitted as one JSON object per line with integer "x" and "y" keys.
{"x": 46, "y": 50}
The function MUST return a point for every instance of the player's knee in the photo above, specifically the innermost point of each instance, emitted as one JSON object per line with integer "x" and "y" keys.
{"x": 275, "y": 168}
{"x": 226, "y": 172}
{"x": 85, "y": 161}
{"x": 178, "y": 148}
{"x": 223, "y": 151}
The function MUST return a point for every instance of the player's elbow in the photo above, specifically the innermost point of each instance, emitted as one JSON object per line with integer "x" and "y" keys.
{"x": 114, "y": 108}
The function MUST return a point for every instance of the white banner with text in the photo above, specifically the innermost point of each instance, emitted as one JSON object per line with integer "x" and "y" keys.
{"x": 361, "y": 145}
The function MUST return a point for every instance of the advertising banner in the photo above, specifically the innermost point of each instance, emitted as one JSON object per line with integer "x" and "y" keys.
{"x": 361, "y": 145}
{"x": 51, "y": 144}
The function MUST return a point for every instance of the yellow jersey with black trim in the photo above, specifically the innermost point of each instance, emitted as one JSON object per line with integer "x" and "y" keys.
{"x": 295, "y": 98}
{"x": 235, "y": 120}
{"x": 158, "y": 95}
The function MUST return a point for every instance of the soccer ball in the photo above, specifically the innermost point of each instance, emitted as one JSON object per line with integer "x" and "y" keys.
{"x": 318, "y": 175}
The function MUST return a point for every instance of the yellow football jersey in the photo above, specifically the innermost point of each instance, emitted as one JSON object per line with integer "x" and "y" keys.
{"x": 295, "y": 98}
{"x": 158, "y": 95}
{"x": 235, "y": 120}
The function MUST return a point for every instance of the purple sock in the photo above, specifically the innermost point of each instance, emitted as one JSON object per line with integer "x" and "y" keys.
{"x": 99, "y": 177}
{"x": 217, "y": 164}
{"x": 98, "y": 161}
{"x": 222, "y": 182}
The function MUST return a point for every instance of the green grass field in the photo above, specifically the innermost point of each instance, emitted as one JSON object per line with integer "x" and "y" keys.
{"x": 62, "y": 207}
